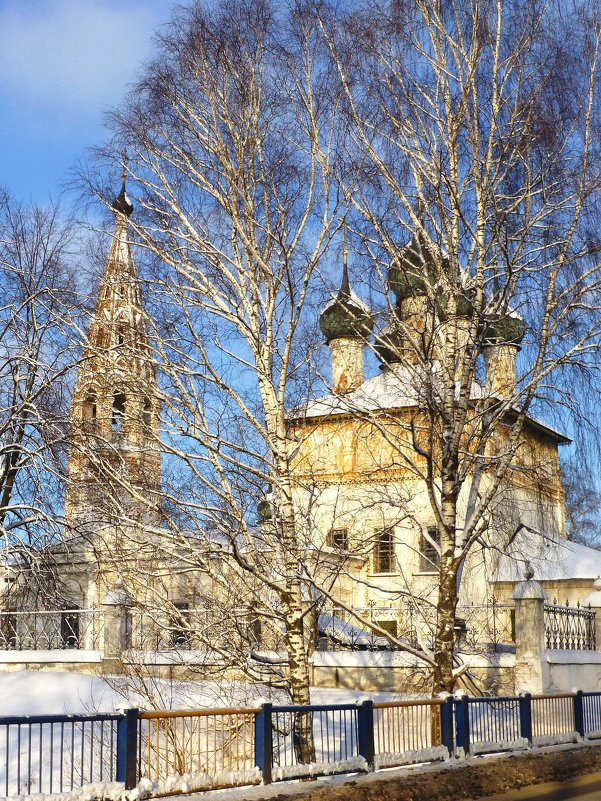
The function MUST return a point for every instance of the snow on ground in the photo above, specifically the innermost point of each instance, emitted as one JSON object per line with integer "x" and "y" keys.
{"x": 26, "y": 692}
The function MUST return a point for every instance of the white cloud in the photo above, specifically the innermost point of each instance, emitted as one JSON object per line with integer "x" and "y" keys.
{"x": 56, "y": 55}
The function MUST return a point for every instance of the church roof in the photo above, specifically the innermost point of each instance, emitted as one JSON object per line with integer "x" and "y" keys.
{"x": 394, "y": 389}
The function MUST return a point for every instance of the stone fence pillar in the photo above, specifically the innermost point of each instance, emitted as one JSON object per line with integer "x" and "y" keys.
{"x": 531, "y": 668}
{"x": 116, "y": 607}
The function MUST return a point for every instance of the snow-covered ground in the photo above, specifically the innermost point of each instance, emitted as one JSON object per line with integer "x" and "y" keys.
{"x": 25, "y": 692}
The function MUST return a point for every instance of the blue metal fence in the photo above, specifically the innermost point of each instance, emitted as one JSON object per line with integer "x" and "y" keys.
{"x": 59, "y": 753}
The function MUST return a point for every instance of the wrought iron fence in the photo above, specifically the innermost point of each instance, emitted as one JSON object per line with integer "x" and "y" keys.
{"x": 569, "y": 628}
{"x": 481, "y": 627}
{"x": 43, "y": 630}
{"x": 190, "y": 629}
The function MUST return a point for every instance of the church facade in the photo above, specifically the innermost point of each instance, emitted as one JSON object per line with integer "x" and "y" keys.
{"x": 359, "y": 476}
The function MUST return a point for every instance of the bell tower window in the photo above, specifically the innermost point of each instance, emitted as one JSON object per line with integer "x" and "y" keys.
{"x": 118, "y": 411}
{"x": 90, "y": 408}
{"x": 147, "y": 412}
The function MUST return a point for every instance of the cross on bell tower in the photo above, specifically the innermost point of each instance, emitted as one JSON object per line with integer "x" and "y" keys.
{"x": 115, "y": 462}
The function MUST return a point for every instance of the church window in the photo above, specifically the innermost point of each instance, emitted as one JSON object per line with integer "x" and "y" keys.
{"x": 120, "y": 334}
{"x": 384, "y": 561}
{"x": 147, "y": 412}
{"x": 338, "y": 538}
{"x": 118, "y": 411}
{"x": 430, "y": 551}
{"x": 90, "y": 408}
{"x": 180, "y": 626}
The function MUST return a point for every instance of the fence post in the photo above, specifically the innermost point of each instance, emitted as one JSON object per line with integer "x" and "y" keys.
{"x": 264, "y": 742}
{"x": 462, "y": 724}
{"x": 446, "y": 724}
{"x": 127, "y": 748}
{"x": 579, "y": 712}
{"x": 365, "y": 731}
{"x": 525, "y": 702}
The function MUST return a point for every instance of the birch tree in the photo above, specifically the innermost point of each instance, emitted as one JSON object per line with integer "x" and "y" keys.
{"x": 229, "y": 139}
{"x": 36, "y": 304}
{"x": 474, "y": 129}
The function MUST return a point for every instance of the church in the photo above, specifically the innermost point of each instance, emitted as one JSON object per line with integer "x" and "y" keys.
{"x": 359, "y": 483}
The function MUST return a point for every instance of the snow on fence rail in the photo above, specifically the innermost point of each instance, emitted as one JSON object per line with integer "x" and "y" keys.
{"x": 179, "y": 751}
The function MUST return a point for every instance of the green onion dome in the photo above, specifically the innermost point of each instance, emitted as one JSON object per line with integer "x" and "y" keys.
{"x": 264, "y": 510}
{"x": 411, "y": 271}
{"x": 346, "y": 316}
{"x": 464, "y": 304}
{"x": 506, "y": 330}
{"x": 389, "y": 345}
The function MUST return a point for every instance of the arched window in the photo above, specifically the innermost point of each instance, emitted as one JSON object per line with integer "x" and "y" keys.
{"x": 118, "y": 411}
{"x": 120, "y": 334}
{"x": 90, "y": 409}
{"x": 147, "y": 412}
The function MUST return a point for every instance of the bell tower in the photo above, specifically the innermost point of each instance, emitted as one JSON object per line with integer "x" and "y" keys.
{"x": 114, "y": 470}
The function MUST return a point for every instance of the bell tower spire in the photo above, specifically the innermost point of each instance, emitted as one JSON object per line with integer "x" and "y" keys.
{"x": 115, "y": 463}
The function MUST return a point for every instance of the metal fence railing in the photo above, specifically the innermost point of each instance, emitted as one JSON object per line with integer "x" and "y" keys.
{"x": 46, "y": 630}
{"x": 569, "y": 628}
{"x": 312, "y": 740}
{"x": 483, "y": 627}
{"x": 553, "y": 718}
{"x": 178, "y": 751}
{"x": 492, "y": 723}
{"x": 405, "y": 731}
{"x": 212, "y": 742}
{"x": 57, "y": 753}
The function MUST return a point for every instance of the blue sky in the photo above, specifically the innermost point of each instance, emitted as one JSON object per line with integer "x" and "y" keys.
{"x": 63, "y": 64}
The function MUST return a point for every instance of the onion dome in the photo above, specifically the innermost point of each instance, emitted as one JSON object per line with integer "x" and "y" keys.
{"x": 122, "y": 204}
{"x": 389, "y": 345}
{"x": 265, "y": 508}
{"x": 346, "y": 317}
{"x": 411, "y": 271}
{"x": 506, "y": 330}
{"x": 464, "y": 304}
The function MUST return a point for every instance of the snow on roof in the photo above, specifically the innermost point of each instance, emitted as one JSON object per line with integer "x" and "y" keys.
{"x": 348, "y": 634}
{"x": 551, "y": 559}
{"x": 355, "y": 298}
{"x": 395, "y": 388}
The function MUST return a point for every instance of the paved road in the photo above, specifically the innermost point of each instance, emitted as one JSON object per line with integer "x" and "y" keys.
{"x": 582, "y": 788}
